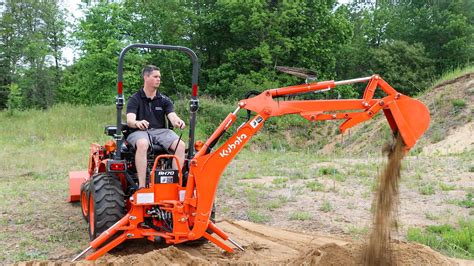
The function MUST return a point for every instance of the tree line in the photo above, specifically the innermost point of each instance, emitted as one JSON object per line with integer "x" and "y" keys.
{"x": 239, "y": 43}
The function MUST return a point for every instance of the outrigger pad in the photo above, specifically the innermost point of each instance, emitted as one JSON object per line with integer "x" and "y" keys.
{"x": 410, "y": 117}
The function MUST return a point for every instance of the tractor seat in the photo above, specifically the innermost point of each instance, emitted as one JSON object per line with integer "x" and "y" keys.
{"x": 155, "y": 149}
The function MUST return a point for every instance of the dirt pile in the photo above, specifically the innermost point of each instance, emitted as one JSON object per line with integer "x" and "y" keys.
{"x": 386, "y": 202}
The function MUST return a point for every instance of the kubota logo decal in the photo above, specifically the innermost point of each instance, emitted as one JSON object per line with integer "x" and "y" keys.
{"x": 231, "y": 147}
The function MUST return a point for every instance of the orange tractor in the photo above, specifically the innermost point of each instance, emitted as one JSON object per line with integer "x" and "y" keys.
{"x": 177, "y": 204}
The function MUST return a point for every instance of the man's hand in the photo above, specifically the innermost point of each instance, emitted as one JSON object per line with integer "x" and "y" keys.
{"x": 142, "y": 124}
{"x": 176, "y": 121}
{"x": 179, "y": 123}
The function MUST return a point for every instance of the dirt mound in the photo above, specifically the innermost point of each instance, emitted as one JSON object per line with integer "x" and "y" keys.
{"x": 264, "y": 245}
{"x": 167, "y": 256}
{"x": 352, "y": 254}
{"x": 457, "y": 141}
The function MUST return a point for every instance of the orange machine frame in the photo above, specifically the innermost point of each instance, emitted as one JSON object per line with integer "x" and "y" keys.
{"x": 191, "y": 215}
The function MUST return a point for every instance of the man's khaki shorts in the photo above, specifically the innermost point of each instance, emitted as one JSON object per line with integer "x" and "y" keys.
{"x": 165, "y": 137}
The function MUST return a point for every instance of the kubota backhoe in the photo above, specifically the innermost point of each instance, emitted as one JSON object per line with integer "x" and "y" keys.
{"x": 177, "y": 205}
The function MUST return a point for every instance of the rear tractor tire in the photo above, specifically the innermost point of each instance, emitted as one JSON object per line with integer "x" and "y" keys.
{"x": 106, "y": 203}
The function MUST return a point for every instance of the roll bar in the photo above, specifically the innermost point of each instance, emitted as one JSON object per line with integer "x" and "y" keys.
{"x": 194, "y": 102}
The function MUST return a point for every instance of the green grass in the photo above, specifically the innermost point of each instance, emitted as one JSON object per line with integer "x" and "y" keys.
{"x": 315, "y": 186}
{"x": 60, "y": 136}
{"x": 471, "y": 169}
{"x": 333, "y": 173}
{"x": 300, "y": 216}
{"x": 276, "y": 203}
{"x": 252, "y": 196}
{"x": 446, "y": 187}
{"x": 427, "y": 189}
{"x": 39, "y": 148}
{"x": 431, "y": 216}
{"x": 279, "y": 181}
{"x": 257, "y": 216}
{"x": 455, "y": 73}
{"x": 452, "y": 241}
{"x": 326, "y": 206}
{"x": 328, "y": 171}
{"x": 366, "y": 194}
{"x": 251, "y": 174}
{"x": 468, "y": 202}
{"x": 458, "y": 103}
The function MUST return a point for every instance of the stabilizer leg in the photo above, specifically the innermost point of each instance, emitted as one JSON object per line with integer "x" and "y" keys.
{"x": 218, "y": 242}
{"x": 222, "y": 235}
{"x": 105, "y": 236}
{"x": 101, "y": 251}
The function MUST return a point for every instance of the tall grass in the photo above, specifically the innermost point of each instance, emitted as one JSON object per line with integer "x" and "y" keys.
{"x": 455, "y": 73}
{"x": 51, "y": 140}
{"x": 455, "y": 242}
{"x": 38, "y": 149}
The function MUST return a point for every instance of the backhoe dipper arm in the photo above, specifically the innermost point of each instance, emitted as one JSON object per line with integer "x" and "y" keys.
{"x": 405, "y": 115}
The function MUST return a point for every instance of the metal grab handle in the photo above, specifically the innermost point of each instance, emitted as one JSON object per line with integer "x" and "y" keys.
{"x": 186, "y": 50}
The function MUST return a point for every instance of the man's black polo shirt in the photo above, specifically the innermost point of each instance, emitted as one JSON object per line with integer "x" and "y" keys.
{"x": 152, "y": 110}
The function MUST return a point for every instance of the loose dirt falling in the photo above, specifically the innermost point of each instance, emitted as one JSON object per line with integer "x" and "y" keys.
{"x": 386, "y": 206}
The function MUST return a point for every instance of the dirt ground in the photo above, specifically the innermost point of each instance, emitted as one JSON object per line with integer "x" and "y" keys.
{"x": 264, "y": 245}
{"x": 328, "y": 236}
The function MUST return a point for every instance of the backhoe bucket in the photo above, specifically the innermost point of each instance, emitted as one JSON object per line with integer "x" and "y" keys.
{"x": 410, "y": 117}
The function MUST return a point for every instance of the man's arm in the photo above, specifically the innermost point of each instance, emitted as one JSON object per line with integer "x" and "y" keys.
{"x": 176, "y": 121}
{"x": 134, "y": 123}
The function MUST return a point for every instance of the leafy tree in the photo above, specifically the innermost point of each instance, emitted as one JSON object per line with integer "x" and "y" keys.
{"x": 32, "y": 34}
{"x": 14, "y": 98}
{"x": 163, "y": 22}
{"x": 239, "y": 44}
{"x": 375, "y": 48}
{"x": 93, "y": 78}
{"x": 240, "y": 39}
{"x": 445, "y": 28}
{"x": 405, "y": 66}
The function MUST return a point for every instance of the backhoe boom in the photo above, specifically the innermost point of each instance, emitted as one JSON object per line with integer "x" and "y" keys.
{"x": 405, "y": 115}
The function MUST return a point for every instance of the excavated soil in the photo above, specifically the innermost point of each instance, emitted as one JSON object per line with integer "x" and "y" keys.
{"x": 263, "y": 245}
{"x": 386, "y": 206}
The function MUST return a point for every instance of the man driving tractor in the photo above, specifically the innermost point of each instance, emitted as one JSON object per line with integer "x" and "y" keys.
{"x": 147, "y": 111}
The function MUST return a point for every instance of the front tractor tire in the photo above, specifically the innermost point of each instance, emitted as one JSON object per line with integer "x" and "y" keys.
{"x": 85, "y": 192}
{"x": 106, "y": 203}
